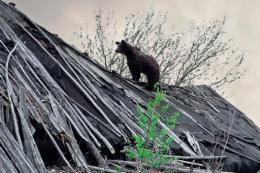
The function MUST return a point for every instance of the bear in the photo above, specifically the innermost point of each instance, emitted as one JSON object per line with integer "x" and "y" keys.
{"x": 138, "y": 62}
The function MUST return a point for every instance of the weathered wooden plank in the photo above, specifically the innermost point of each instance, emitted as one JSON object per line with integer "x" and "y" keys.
{"x": 30, "y": 147}
{"x": 12, "y": 97}
{"x": 16, "y": 155}
{"x": 6, "y": 165}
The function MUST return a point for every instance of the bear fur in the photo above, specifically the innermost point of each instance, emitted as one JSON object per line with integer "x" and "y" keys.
{"x": 138, "y": 63}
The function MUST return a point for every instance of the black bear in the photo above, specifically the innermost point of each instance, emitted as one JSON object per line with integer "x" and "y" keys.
{"x": 138, "y": 63}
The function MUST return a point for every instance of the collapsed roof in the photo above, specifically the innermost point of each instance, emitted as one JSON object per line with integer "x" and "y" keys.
{"x": 57, "y": 106}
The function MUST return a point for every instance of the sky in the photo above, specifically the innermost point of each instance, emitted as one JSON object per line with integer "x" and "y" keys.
{"x": 64, "y": 16}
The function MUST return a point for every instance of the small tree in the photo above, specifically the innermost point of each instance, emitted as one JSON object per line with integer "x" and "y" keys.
{"x": 152, "y": 149}
{"x": 202, "y": 54}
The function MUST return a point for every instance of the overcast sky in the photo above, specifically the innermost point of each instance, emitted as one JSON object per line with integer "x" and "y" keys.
{"x": 63, "y": 16}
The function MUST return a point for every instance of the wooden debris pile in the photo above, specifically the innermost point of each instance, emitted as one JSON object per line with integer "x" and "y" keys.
{"x": 57, "y": 107}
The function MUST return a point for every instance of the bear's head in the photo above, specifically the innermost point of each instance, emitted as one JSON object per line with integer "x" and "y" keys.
{"x": 122, "y": 47}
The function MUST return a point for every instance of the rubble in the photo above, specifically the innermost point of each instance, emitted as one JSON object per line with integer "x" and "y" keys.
{"x": 58, "y": 108}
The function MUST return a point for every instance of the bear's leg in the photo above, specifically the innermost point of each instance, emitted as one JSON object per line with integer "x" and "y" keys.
{"x": 135, "y": 72}
{"x": 136, "y": 76}
{"x": 150, "y": 85}
{"x": 152, "y": 80}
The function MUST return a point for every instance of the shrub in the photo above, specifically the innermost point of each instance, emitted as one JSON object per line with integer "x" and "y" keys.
{"x": 152, "y": 149}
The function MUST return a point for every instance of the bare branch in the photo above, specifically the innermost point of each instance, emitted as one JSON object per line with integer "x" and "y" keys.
{"x": 201, "y": 54}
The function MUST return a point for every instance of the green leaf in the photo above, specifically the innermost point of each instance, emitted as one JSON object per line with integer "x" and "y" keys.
{"x": 131, "y": 154}
{"x": 147, "y": 154}
{"x": 163, "y": 133}
{"x": 165, "y": 108}
{"x": 172, "y": 120}
{"x": 139, "y": 141}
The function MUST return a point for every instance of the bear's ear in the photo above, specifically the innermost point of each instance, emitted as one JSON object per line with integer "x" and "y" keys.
{"x": 117, "y": 43}
{"x": 123, "y": 42}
